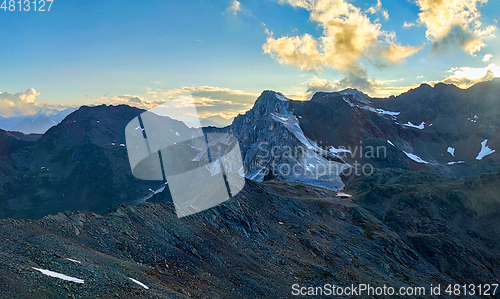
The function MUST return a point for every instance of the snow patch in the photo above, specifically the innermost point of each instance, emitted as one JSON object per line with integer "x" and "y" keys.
{"x": 452, "y": 163}
{"x": 59, "y": 275}
{"x": 122, "y": 145}
{"x": 139, "y": 283}
{"x": 381, "y": 111}
{"x": 415, "y": 158}
{"x": 342, "y": 194}
{"x": 451, "y": 150}
{"x": 279, "y": 117}
{"x": 420, "y": 127}
{"x": 280, "y": 97}
{"x": 371, "y": 109}
{"x": 485, "y": 150}
{"x": 388, "y": 141}
{"x": 74, "y": 261}
{"x": 338, "y": 150}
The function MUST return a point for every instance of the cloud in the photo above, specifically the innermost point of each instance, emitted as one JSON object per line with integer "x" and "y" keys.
{"x": 465, "y": 77}
{"x": 378, "y": 8}
{"x": 348, "y": 36}
{"x": 22, "y": 103}
{"x": 454, "y": 23}
{"x": 487, "y": 57}
{"x": 385, "y": 14}
{"x": 458, "y": 36}
{"x": 212, "y": 101}
{"x": 130, "y": 100}
{"x": 360, "y": 81}
{"x": 407, "y": 25}
{"x": 394, "y": 53}
{"x": 234, "y": 8}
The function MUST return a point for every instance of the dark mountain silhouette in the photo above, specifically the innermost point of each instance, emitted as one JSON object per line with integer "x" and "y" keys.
{"x": 80, "y": 164}
{"x": 12, "y": 141}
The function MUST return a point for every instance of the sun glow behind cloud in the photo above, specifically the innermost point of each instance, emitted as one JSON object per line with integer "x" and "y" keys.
{"x": 210, "y": 101}
{"x": 465, "y": 77}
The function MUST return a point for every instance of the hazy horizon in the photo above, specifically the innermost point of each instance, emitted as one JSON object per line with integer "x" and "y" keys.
{"x": 226, "y": 53}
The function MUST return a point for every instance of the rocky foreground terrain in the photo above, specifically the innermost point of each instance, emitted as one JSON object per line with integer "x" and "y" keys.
{"x": 409, "y": 230}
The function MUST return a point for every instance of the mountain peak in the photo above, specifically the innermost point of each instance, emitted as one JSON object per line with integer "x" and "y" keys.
{"x": 356, "y": 94}
{"x": 270, "y": 101}
{"x": 273, "y": 94}
{"x": 46, "y": 111}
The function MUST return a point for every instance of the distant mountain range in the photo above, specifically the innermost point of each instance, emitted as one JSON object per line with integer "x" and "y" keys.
{"x": 450, "y": 131}
{"x": 446, "y": 130}
{"x": 46, "y": 118}
{"x": 42, "y": 121}
{"x": 8, "y": 122}
{"x": 216, "y": 121}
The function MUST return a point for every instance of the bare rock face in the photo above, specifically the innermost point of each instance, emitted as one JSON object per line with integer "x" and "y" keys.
{"x": 275, "y": 147}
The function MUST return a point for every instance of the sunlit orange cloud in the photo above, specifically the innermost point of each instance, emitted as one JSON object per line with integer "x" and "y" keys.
{"x": 454, "y": 23}
{"x": 348, "y": 36}
{"x": 465, "y": 77}
{"x": 21, "y": 103}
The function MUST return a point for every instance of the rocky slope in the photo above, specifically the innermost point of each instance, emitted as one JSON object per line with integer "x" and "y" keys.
{"x": 80, "y": 164}
{"x": 12, "y": 141}
{"x": 465, "y": 122}
{"x": 258, "y": 244}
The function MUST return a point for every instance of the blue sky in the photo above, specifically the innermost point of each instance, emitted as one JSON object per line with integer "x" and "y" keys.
{"x": 226, "y": 52}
